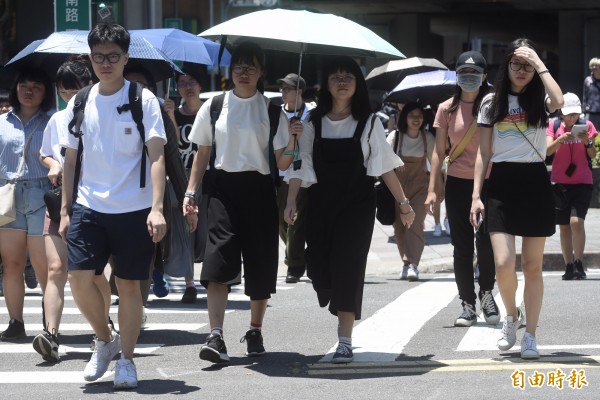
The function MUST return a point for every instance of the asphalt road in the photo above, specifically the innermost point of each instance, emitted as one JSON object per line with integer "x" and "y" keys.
{"x": 405, "y": 348}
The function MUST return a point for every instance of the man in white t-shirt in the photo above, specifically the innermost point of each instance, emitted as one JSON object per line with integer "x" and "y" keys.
{"x": 292, "y": 88}
{"x": 114, "y": 213}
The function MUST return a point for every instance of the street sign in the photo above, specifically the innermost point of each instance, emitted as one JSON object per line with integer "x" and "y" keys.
{"x": 72, "y": 15}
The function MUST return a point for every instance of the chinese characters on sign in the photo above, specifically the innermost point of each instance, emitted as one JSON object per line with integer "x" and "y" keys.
{"x": 72, "y": 14}
{"x": 557, "y": 379}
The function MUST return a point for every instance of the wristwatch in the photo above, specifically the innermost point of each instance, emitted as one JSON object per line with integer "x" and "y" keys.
{"x": 404, "y": 202}
{"x": 589, "y": 145}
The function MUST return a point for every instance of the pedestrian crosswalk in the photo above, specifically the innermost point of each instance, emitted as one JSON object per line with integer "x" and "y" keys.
{"x": 379, "y": 339}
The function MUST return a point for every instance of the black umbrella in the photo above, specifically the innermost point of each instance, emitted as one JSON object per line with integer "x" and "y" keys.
{"x": 390, "y": 74}
{"x": 430, "y": 88}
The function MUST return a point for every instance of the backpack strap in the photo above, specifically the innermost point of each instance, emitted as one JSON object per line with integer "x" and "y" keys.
{"x": 555, "y": 125}
{"x": 135, "y": 107}
{"x": 216, "y": 105}
{"x": 78, "y": 110}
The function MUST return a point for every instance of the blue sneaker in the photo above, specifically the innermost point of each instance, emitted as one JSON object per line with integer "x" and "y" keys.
{"x": 160, "y": 286}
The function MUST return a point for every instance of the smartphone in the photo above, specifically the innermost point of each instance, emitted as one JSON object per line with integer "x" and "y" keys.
{"x": 579, "y": 130}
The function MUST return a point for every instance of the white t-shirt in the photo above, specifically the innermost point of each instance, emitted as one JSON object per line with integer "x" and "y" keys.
{"x": 303, "y": 117}
{"x": 413, "y": 147}
{"x": 112, "y": 152}
{"x": 56, "y": 127}
{"x": 241, "y": 133}
{"x": 508, "y": 141}
{"x": 378, "y": 154}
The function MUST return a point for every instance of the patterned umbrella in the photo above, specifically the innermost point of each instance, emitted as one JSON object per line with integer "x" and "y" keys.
{"x": 390, "y": 74}
{"x": 427, "y": 88}
{"x": 51, "y": 52}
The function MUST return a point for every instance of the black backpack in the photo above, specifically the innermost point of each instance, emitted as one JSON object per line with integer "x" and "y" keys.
{"x": 134, "y": 106}
{"x": 274, "y": 112}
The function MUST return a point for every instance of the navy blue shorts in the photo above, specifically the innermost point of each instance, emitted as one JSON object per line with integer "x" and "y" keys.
{"x": 94, "y": 236}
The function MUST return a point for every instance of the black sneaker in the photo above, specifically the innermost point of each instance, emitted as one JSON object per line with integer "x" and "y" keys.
{"x": 290, "y": 278}
{"x": 214, "y": 349}
{"x": 15, "y": 330}
{"x": 569, "y": 272}
{"x": 489, "y": 307}
{"x": 254, "y": 341}
{"x": 30, "y": 278}
{"x": 468, "y": 316}
{"x": 343, "y": 354}
{"x": 579, "y": 272}
{"x": 46, "y": 344}
{"x": 190, "y": 295}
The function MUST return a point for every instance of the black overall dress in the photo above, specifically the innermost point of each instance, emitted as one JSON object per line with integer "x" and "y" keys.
{"x": 340, "y": 219}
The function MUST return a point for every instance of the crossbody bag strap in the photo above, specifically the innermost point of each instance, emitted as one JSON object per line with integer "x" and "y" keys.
{"x": 463, "y": 143}
{"x": 531, "y": 144}
{"x": 22, "y": 161}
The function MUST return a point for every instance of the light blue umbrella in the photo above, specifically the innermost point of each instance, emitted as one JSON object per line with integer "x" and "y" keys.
{"x": 183, "y": 46}
{"x": 51, "y": 52}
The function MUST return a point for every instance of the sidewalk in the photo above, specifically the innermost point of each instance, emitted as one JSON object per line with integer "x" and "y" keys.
{"x": 437, "y": 256}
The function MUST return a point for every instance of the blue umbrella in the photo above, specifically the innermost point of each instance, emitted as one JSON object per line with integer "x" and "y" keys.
{"x": 431, "y": 87}
{"x": 183, "y": 46}
{"x": 51, "y": 52}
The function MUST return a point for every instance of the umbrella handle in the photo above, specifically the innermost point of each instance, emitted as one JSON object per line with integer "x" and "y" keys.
{"x": 298, "y": 83}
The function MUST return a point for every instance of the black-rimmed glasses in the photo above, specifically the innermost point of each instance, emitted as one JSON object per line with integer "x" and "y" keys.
{"x": 247, "y": 69}
{"x": 517, "y": 66}
{"x": 112, "y": 58}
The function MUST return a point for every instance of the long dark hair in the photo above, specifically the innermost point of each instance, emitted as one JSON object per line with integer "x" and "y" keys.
{"x": 408, "y": 107}
{"x": 360, "y": 106}
{"x": 32, "y": 75}
{"x": 531, "y": 99}
{"x": 247, "y": 53}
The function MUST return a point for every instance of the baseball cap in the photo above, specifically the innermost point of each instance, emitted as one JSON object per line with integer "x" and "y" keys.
{"x": 471, "y": 59}
{"x": 572, "y": 104}
{"x": 292, "y": 80}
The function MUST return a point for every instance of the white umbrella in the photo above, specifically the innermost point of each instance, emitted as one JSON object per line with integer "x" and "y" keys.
{"x": 304, "y": 32}
{"x": 390, "y": 74}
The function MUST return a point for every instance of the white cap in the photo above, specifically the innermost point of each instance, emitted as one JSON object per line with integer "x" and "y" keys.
{"x": 572, "y": 104}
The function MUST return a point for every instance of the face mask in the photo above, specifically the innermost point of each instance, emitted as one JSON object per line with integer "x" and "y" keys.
{"x": 469, "y": 82}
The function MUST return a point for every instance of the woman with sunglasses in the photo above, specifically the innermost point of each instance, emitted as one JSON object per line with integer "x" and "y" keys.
{"x": 512, "y": 123}
{"x": 242, "y": 210}
{"x": 342, "y": 150}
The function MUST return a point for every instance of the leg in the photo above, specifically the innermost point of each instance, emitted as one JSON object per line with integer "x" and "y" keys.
{"x": 54, "y": 295}
{"x": 90, "y": 301}
{"x": 217, "y": 302}
{"x": 532, "y": 255}
{"x": 346, "y": 323}
{"x": 257, "y": 311}
{"x": 566, "y": 243}
{"x": 102, "y": 285}
{"x": 13, "y": 247}
{"x": 578, "y": 236}
{"x": 130, "y": 314}
{"x": 37, "y": 256}
{"x": 505, "y": 260}
{"x": 296, "y": 238}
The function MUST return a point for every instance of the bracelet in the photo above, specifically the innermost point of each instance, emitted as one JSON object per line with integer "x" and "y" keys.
{"x": 190, "y": 194}
{"x": 290, "y": 152}
{"x": 590, "y": 145}
{"x": 543, "y": 72}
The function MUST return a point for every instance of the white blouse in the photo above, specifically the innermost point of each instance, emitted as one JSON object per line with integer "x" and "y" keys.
{"x": 241, "y": 133}
{"x": 378, "y": 154}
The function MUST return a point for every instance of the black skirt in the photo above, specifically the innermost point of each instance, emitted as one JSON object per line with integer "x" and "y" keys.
{"x": 520, "y": 200}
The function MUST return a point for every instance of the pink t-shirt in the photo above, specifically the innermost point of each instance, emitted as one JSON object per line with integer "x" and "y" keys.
{"x": 563, "y": 158}
{"x": 457, "y": 124}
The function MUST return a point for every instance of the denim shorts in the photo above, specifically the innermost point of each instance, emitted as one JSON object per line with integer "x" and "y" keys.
{"x": 31, "y": 209}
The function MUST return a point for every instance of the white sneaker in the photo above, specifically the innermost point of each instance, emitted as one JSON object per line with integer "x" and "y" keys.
{"x": 125, "y": 374}
{"x": 509, "y": 334}
{"x": 529, "y": 349}
{"x": 101, "y": 357}
{"x": 404, "y": 273}
{"x": 447, "y": 226}
{"x": 437, "y": 230}
{"x": 413, "y": 273}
